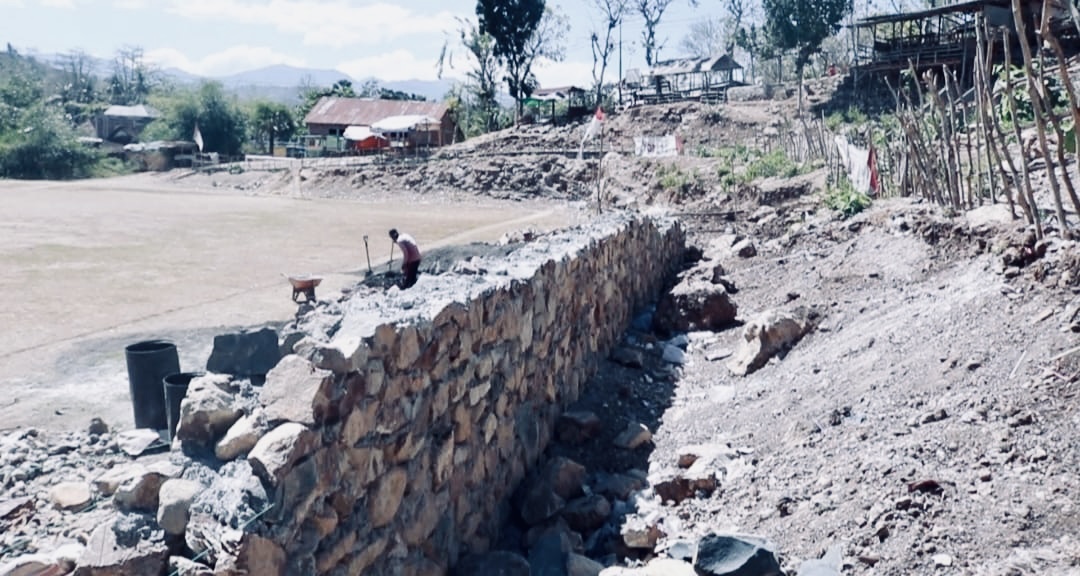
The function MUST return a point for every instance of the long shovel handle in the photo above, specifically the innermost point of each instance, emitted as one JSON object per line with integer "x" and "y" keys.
{"x": 391, "y": 262}
{"x": 368, "y": 254}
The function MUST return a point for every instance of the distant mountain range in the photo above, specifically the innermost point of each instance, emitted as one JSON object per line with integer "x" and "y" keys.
{"x": 279, "y": 83}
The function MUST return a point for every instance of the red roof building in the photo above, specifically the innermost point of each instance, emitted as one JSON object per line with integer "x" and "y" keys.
{"x": 332, "y": 116}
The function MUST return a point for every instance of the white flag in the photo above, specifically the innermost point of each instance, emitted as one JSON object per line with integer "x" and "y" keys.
{"x": 592, "y": 129}
{"x": 198, "y": 138}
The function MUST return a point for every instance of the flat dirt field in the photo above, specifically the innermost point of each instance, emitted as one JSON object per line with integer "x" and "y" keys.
{"x": 90, "y": 267}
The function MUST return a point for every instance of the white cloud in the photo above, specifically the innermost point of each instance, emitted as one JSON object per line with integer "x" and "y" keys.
{"x": 12, "y": 3}
{"x": 129, "y": 4}
{"x": 391, "y": 67}
{"x": 335, "y": 23}
{"x": 58, "y": 3}
{"x": 229, "y": 61}
{"x": 570, "y": 73}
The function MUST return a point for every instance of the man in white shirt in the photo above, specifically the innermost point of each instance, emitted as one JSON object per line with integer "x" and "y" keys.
{"x": 410, "y": 264}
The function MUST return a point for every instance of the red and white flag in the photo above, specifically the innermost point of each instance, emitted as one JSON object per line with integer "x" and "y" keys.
{"x": 594, "y": 126}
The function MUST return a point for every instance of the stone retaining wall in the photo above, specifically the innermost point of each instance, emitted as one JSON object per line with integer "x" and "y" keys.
{"x": 396, "y": 443}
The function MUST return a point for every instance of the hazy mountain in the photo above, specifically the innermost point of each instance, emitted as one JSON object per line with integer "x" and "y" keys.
{"x": 282, "y": 75}
{"x": 279, "y": 83}
{"x": 179, "y": 76}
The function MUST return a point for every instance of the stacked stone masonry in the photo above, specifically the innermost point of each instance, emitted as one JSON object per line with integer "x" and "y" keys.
{"x": 396, "y": 443}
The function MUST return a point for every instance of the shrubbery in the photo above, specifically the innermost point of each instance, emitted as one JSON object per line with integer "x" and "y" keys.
{"x": 45, "y": 147}
{"x": 844, "y": 198}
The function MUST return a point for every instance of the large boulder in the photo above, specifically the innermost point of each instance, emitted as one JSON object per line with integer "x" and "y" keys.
{"x": 245, "y": 353}
{"x": 297, "y": 391}
{"x": 587, "y": 513}
{"x": 60, "y": 561}
{"x": 720, "y": 555}
{"x": 276, "y": 452}
{"x": 547, "y": 492}
{"x": 206, "y": 412}
{"x": 695, "y": 304}
{"x": 174, "y": 503}
{"x": 578, "y": 427}
{"x": 241, "y": 437}
{"x": 122, "y": 548}
{"x": 769, "y": 334}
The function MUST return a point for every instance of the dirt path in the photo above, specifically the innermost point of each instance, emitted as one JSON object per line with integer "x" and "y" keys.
{"x": 92, "y": 266}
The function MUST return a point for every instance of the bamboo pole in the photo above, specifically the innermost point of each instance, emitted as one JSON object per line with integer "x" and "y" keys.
{"x": 985, "y": 106}
{"x": 928, "y": 169}
{"x": 1035, "y": 216}
{"x": 1070, "y": 90}
{"x": 945, "y": 141}
{"x": 953, "y": 85}
{"x": 1040, "y": 114}
{"x": 1021, "y": 179}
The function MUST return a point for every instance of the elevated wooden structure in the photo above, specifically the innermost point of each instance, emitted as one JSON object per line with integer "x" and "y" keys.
{"x": 703, "y": 79}
{"x": 886, "y": 45}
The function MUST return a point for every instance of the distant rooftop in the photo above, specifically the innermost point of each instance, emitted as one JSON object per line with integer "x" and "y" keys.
{"x": 137, "y": 111}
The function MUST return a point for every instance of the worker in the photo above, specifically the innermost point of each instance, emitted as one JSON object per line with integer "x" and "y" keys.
{"x": 410, "y": 263}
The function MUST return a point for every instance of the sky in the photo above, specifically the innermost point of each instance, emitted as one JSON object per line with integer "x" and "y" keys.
{"x": 387, "y": 39}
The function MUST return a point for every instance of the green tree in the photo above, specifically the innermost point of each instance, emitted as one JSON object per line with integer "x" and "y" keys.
{"x": 22, "y": 85}
{"x": 78, "y": 88}
{"x": 651, "y": 12}
{"x": 511, "y": 24}
{"x": 473, "y": 103}
{"x": 752, "y": 39}
{"x": 603, "y": 42}
{"x": 222, "y": 124}
{"x": 132, "y": 79}
{"x": 44, "y": 146}
{"x": 273, "y": 120}
{"x": 801, "y": 26}
{"x": 737, "y": 11}
{"x": 372, "y": 89}
{"x": 705, "y": 38}
{"x": 310, "y": 95}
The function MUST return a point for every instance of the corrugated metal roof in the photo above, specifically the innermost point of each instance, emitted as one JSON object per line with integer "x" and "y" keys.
{"x": 138, "y": 111}
{"x": 954, "y": 8}
{"x": 695, "y": 65}
{"x": 367, "y": 111}
{"x": 1059, "y": 8}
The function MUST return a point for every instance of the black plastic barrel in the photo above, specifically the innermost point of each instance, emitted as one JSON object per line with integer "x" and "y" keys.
{"x": 176, "y": 386}
{"x": 148, "y": 363}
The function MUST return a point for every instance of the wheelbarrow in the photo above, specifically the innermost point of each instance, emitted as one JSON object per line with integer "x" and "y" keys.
{"x": 303, "y": 284}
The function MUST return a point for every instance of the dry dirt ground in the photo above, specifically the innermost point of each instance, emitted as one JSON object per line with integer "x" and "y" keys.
{"x": 89, "y": 267}
{"x": 927, "y": 426}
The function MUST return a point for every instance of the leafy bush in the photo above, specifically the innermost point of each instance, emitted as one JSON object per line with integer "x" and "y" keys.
{"x": 771, "y": 165}
{"x": 674, "y": 180}
{"x": 1025, "y": 110}
{"x": 45, "y": 148}
{"x": 109, "y": 167}
{"x": 852, "y": 116}
{"x": 844, "y": 198}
